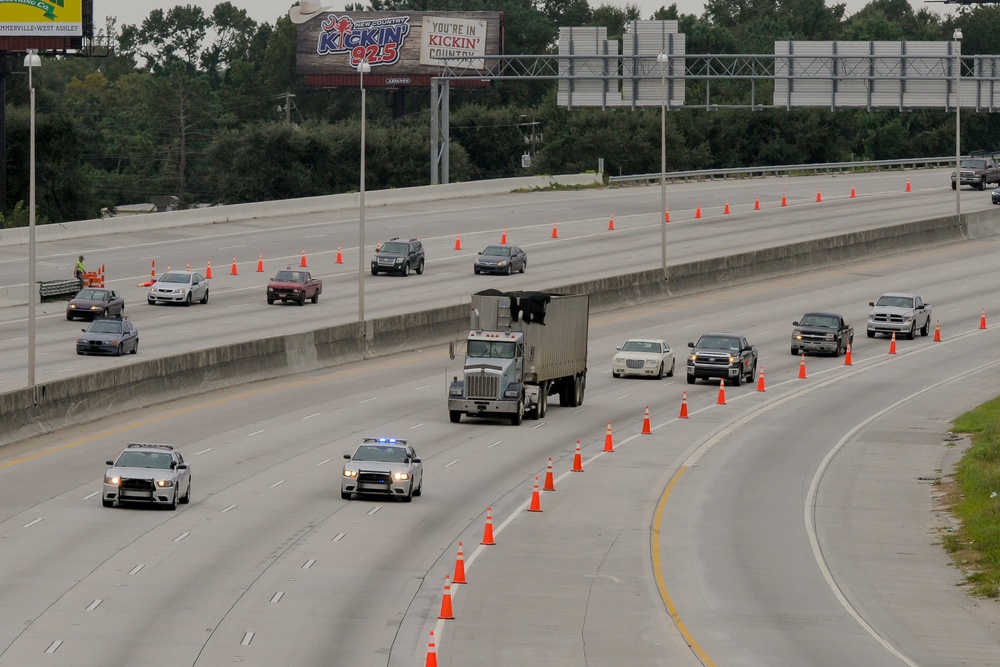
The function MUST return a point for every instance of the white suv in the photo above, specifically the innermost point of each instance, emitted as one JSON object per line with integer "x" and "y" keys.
{"x": 147, "y": 473}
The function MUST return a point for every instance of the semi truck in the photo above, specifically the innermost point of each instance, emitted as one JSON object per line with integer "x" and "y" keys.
{"x": 522, "y": 347}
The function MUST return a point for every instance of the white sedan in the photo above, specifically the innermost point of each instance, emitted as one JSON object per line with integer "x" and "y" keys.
{"x": 646, "y": 357}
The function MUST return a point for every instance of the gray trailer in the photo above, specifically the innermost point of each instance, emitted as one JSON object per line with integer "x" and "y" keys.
{"x": 522, "y": 347}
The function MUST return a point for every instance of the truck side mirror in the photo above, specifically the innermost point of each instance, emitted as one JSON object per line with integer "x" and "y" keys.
{"x": 690, "y": 344}
{"x": 871, "y": 303}
{"x": 451, "y": 350}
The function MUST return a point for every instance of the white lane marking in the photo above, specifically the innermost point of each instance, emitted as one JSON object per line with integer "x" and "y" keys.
{"x": 184, "y": 331}
{"x": 229, "y": 509}
{"x": 622, "y": 396}
{"x": 277, "y": 596}
{"x": 250, "y": 435}
{"x": 697, "y": 324}
{"x": 369, "y": 400}
{"x": 953, "y": 310}
{"x": 278, "y": 483}
{"x": 94, "y": 605}
{"x": 135, "y": 570}
{"x": 537, "y": 426}
{"x": 851, "y": 291}
{"x": 181, "y": 536}
{"x": 423, "y": 386}
{"x": 308, "y": 564}
{"x": 450, "y": 463}
{"x": 54, "y": 646}
{"x": 66, "y": 370}
{"x": 204, "y": 451}
{"x": 338, "y": 537}
{"x": 743, "y": 314}
{"x": 323, "y": 462}
{"x": 494, "y": 444}
{"x": 761, "y": 333}
{"x": 91, "y": 495}
{"x": 32, "y": 523}
{"x": 315, "y": 414}
{"x": 373, "y": 510}
{"x": 247, "y": 638}
{"x": 230, "y": 247}
{"x": 416, "y": 426}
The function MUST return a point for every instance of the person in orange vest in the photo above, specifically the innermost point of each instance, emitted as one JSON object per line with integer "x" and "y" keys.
{"x": 78, "y": 271}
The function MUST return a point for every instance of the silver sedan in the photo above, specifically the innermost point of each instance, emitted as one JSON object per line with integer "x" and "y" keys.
{"x": 178, "y": 287}
{"x": 645, "y": 357}
{"x": 383, "y": 466}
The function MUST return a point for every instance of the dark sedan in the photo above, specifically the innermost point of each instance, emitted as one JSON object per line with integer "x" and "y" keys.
{"x": 109, "y": 335}
{"x": 93, "y": 302}
{"x": 501, "y": 258}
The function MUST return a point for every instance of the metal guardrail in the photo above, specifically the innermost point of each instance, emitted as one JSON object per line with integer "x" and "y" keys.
{"x": 788, "y": 169}
{"x": 49, "y": 288}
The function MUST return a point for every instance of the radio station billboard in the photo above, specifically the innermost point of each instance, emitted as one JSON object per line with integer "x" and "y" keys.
{"x": 41, "y": 18}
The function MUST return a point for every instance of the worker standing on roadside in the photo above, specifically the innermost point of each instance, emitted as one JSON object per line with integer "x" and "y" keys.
{"x": 78, "y": 271}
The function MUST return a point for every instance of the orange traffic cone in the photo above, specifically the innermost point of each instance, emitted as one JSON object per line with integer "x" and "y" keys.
{"x": 937, "y": 331}
{"x": 168, "y": 266}
{"x": 459, "y": 577}
{"x": 982, "y": 320}
{"x": 340, "y": 256}
{"x": 458, "y": 241}
{"x": 302, "y": 262}
{"x": 666, "y": 215}
{"x": 609, "y": 445}
{"x": 488, "y": 530}
{"x": 188, "y": 267}
{"x": 697, "y": 211}
{"x": 260, "y": 263}
{"x": 847, "y": 356}
{"x": 684, "y": 407}
{"x": 725, "y": 211}
{"x": 892, "y": 344}
{"x": 756, "y": 203}
{"x": 549, "y": 482}
{"x": 802, "y": 367}
{"x": 819, "y": 196}
{"x": 611, "y": 223}
{"x": 446, "y": 611}
{"x": 722, "y": 392}
{"x": 432, "y": 657}
{"x": 536, "y": 500}
{"x": 760, "y": 380}
{"x": 100, "y": 274}
{"x": 234, "y": 271}
{"x": 555, "y": 232}
{"x": 645, "y": 423}
{"x": 577, "y": 460}
{"x": 784, "y": 202}
{"x": 853, "y": 193}
{"x": 208, "y": 270}
{"x": 907, "y": 184}
{"x": 503, "y": 237}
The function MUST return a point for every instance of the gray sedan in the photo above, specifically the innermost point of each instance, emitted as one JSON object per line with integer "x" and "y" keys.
{"x": 501, "y": 258}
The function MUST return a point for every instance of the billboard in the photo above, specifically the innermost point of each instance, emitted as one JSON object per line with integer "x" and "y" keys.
{"x": 41, "y": 18}
{"x": 401, "y": 47}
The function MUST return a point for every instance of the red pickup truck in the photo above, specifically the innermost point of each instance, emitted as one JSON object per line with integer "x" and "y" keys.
{"x": 294, "y": 285}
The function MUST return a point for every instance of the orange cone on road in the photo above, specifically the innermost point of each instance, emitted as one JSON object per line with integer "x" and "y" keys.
{"x": 760, "y": 380}
{"x": 609, "y": 445}
{"x": 666, "y": 215}
{"x": 549, "y": 482}
{"x": 982, "y": 320}
{"x": 340, "y": 256}
{"x": 577, "y": 460}
{"x": 847, "y": 356}
{"x": 611, "y": 223}
{"x": 697, "y": 211}
{"x": 208, "y": 270}
{"x": 432, "y": 657}
{"x": 819, "y": 195}
{"x": 555, "y": 232}
{"x": 725, "y": 211}
{"x": 853, "y": 193}
{"x": 100, "y": 274}
{"x": 907, "y": 184}
{"x": 458, "y": 241}
{"x": 234, "y": 271}
{"x": 459, "y": 577}
{"x": 488, "y": 530}
{"x": 446, "y": 611}
{"x": 260, "y": 263}
{"x": 892, "y": 344}
{"x": 784, "y": 202}
{"x": 536, "y": 500}
{"x": 756, "y": 203}
{"x": 188, "y": 267}
{"x": 152, "y": 270}
{"x": 503, "y": 237}
{"x": 802, "y": 367}
{"x": 684, "y": 407}
{"x": 645, "y": 423}
{"x": 302, "y": 262}
{"x": 937, "y": 331}
{"x": 722, "y": 392}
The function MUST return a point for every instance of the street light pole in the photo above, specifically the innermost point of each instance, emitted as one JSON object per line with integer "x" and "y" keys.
{"x": 363, "y": 67}
{"x": 958, "y": 119}
{"x": 31, "y": 61}
{"x": 662, "y": 59}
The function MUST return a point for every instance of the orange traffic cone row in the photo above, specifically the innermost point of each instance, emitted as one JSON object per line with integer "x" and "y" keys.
{"x": 684, "y": 407}
{"x": 760, "y": 380}
{"x": 611, "y": 223}
{"x": 937, "y": 331}
{"x": 892, "y": 344}
{"x": 260, "y": 263}
{"x": 458, "y": 241}
{"x": 784, "y": 202}
{"x": 722, "y": 392}
{"x": 555, "y": 232}
{"x": 645, "y": 423}
{"x": 459, "y": 577}
{"x": 302, "y": 262}
{"x": 503, "y": 237}
{"x": 725, "y": 211}
{"x": 847, "y": 355}
{"x": 756, "y": 203}
{"x": 536, "y": 500}
{"x": 609, "y": 445}
{"x": 234, "y": 271}
{"x": 853, "y": 193}
{"x": 446, "y": 611}
{"x": 488, "y": 530}
{"x": 577, "y": 460}
{"x": 907, "y": 184}
{"x": 802, "y": 367}
{"x": 666, "y": 215}
{"x": 340, "y": 256}
{"x": 982, "y": 320}
{"x": 697, "y": 211}
{"x": 208, "y": 270}
{"x": 549, "y": 482}
{"x": 432, "y": 656}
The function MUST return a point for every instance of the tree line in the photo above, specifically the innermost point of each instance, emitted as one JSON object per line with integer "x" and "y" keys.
{"x": 208, "y": 108}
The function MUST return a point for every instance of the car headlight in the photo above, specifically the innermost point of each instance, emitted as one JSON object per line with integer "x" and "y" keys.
{"x": 731, "y": 358}
{"x": 829, "y": 336}
{"x": 398, "y": 260}
{"x": 79, "y": 341}
{"x": 693, "y": 358}
{"x": 650, "y": 362}
{"x": 350, "y": 473}
{"x": 908, "y": 318}
{"x": 71, "y": 306}
{"x": 181, "y": 291}
{"x": 401, "y": 476}
{"x": 112, "y": 479}
{"x": 797, "y": 336}
{"x": 164, "y": 483}
{"x": 502, "y": 262}
{"x": 95, "y": 307}
{"x": 619, "y": 360}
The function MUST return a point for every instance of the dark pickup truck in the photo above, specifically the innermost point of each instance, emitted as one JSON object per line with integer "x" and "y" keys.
{"x": 294, "y": 285}
{"x": 723, "y": 356}
{"x": 826, "y": 333}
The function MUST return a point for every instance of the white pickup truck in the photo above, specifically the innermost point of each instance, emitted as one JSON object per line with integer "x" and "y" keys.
{"x": 900, "y": 313}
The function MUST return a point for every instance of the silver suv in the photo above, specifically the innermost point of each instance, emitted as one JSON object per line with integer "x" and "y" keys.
{"x": 900, "y": 313}
{"x": 148, "y": 473}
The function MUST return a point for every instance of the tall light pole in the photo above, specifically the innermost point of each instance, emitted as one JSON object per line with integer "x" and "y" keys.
{"x": 31, "y": 61}
{"x": 958, "y": 119}
{"x": 363, "y": 67}
{"x": 662, "y": 59}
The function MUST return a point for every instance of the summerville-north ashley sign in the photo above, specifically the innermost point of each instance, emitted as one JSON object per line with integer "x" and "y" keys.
{"x": 402, "y": 48}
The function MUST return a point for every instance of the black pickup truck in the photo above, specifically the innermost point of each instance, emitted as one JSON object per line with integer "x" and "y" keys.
{"x": 826, "y": 333}
{"x": 722, "y": 355}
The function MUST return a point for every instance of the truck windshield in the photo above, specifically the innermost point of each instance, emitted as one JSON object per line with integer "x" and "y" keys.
{"x": 290, "y": 276}
{"x": 974, "y": 164}
{"x": 719, "y": 343}
{"x": 896, "y": 302}
{"x": 481, "y": 349}
{"x": 819, "y": 321}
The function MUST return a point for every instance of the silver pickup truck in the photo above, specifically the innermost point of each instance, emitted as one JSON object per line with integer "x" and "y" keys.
{"x": 900, "y": 313}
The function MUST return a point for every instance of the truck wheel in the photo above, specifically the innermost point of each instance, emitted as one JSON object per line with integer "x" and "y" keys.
{"x": 406, "y": 268}
{"x": 953, "y": 185}
{"x": 302, "y": 299}
{"x": 926, "y": 329}
{"x": 270, "y": 301}
{"x": 871, "y": 334}
{"x": 345, "y": 495}
{"x": 455, "y": 416}
{"x": 543, "y": 401}
{"x": 753, "y": 373}
{"x": 315, "y": 298}
{"x": 836, "y": 350}
{"x": 737, "y": 380}
{"x": 912, "y": 333}
{"x": 374, "y": 271}
{"x": 982, "y": 185}
{"x": 581, "y": 388}
{"x": 518, "y": 416}
{"x": 794, "y": 352}
{"x": 691, "y": 379}
{"x": 420, "y": 268}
